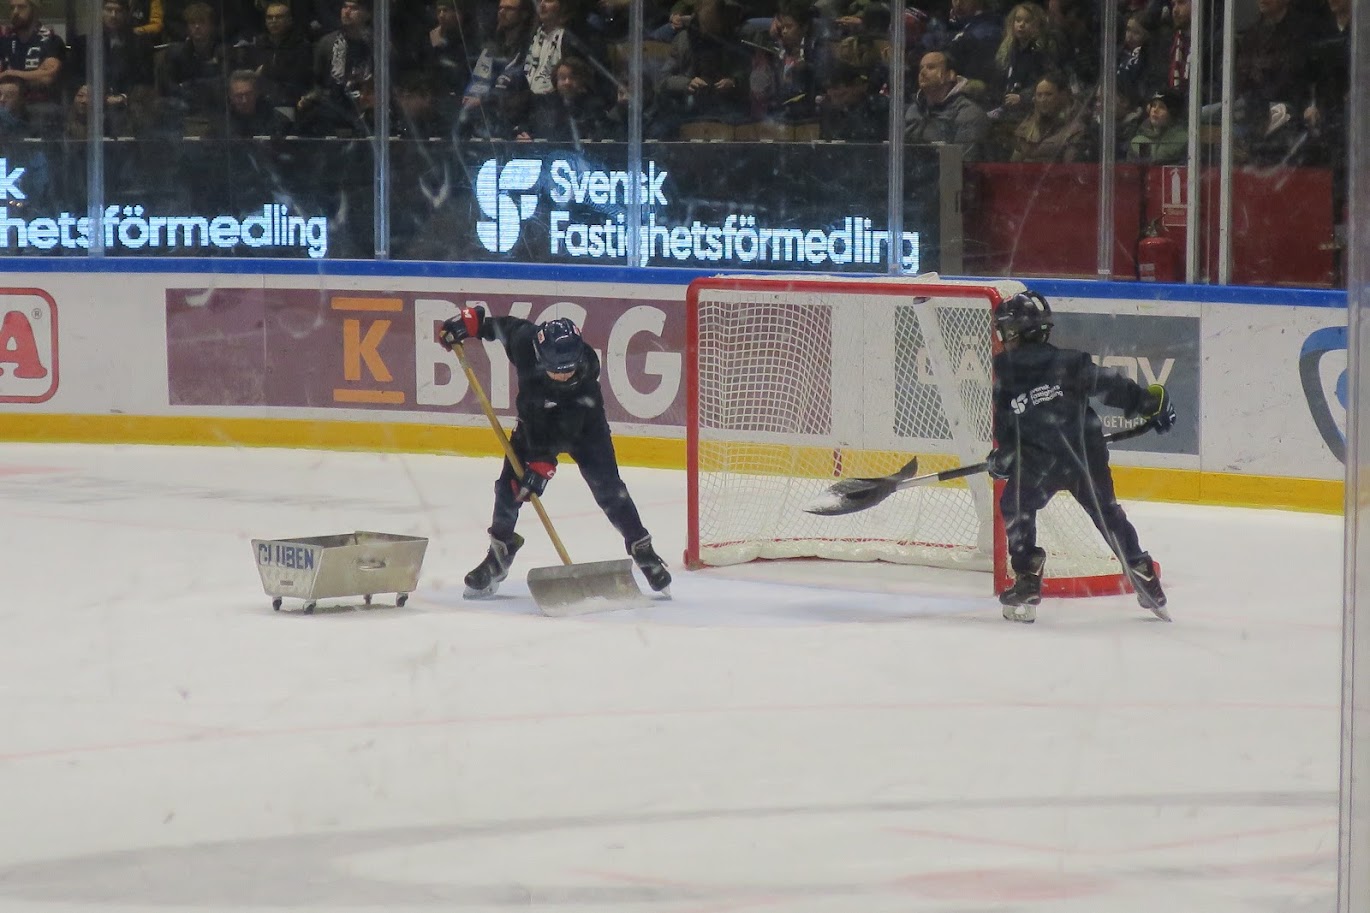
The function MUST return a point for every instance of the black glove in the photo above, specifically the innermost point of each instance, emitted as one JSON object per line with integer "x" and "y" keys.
{"x": 999, "y": 463}
{"x": 461, "y": 327}
{"x": 1157, "y": 408}
{"x": 536, "y": 475}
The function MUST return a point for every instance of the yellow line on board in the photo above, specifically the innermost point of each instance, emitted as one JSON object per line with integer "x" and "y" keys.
{"x": 1133, "y": 482}
{"x": 341, "y": 303}
{"x": 368, "y": 396}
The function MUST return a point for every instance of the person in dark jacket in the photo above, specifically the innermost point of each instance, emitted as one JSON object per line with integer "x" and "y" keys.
{"x": 560, "y": 410}
{"x": 574, "y": 113}
{"x": 942, "y": 111}
{"x": 1047, "y": 438}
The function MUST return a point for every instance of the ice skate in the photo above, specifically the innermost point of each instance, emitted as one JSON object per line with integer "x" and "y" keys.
{"x": 1147, "y": 585}
{"x": 651, "y": 565}
{"x": 1020, "y": 601}
{"x": 485, "y": 579}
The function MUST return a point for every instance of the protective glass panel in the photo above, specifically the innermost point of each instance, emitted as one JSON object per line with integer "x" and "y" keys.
{"x": 229, "y": 129}
{"x": 1026, "y": 81}
{"x": 509, "y": 138}
{"x": 1353, "y": 876}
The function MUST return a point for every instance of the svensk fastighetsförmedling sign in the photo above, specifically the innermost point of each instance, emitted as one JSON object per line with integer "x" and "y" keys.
{"x": 791, "y": 206}
{"x": 132, "y": 227}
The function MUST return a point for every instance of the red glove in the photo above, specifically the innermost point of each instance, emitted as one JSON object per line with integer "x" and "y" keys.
{"x": 465, "y": 325}
{"x": 536, "y": 475}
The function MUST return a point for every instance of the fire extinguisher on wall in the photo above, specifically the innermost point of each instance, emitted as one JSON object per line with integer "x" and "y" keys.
{"x": 1159, "y": 258}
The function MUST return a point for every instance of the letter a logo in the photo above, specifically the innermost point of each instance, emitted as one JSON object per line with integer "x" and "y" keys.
{"x": 28, "y": 345}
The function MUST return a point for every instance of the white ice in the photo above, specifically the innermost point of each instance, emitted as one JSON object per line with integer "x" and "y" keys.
{"x": 780, "y": 737}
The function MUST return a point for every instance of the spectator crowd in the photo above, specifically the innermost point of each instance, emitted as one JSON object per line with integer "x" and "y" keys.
{"x": 1015, "y": 82}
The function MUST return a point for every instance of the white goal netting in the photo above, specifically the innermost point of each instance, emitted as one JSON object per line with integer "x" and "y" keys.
{"x": 798, "y": 382}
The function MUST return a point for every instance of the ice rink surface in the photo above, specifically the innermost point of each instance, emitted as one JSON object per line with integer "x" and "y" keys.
{"x": 780, "y": 737}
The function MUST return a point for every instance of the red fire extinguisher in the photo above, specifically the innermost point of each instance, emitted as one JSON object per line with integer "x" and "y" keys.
{"x": 1159, "y": 258}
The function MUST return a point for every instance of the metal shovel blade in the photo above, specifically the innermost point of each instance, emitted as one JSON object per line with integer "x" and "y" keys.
{"x": 578, "y": 589}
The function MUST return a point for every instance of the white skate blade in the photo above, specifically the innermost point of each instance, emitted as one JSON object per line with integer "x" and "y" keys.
{"x": 485, "y": 593}
{"x": 1023, "y": 614}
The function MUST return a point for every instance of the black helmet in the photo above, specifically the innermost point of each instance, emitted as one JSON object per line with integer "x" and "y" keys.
{"x": 1026, "y": 315}
{"x": 558, "y": 346}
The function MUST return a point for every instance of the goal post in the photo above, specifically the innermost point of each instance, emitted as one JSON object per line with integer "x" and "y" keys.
{"x": 796, "y": 381}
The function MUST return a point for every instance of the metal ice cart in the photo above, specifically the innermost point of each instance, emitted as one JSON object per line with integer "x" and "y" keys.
{"x": 328, "y": 567}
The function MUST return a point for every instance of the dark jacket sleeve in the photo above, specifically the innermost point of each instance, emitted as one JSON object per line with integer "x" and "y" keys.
{"x": 1111, "y": 387}
{"x": 507, "y": 331}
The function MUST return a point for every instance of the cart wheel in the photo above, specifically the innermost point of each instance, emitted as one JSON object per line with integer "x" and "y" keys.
{"x": 276, "y": 603}
{"x": 309, "y": 608}
{"x": 366, "y": 600}
{"x": 401, "y": 599}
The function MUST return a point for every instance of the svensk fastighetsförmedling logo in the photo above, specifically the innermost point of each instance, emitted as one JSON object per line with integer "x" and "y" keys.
{"x": 509, "y": 195}
{"x": 499, "y": 191}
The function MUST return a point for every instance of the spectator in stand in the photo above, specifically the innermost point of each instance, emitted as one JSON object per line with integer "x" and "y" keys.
{"x": 575, "y": 113}
{"x": 974, "y": 33}
{"x": 455, "y": 43}
{"x": 117, "y": 120}
{"x": 1126, "y": 120}
{"x": 280, "y": 56}
{"x": 497, "y": 75}
{"x": 1075, "y": 31}
{"x": 784, "y": 82}
{"x": 1141, "y": 71}
{"x": 193, "y": 74}
{"x": 32, "y": 53}
{"x": 1026, "y": 53}
{"x": 300, "y": 13}
{"x": 148, "y": 18}
{"x": 342, "y": 70}
{"x": 558, "y": 33}
{"x": 1273, "y": 82}
{"x": 1056, "y": 131}
{"x": 324, "y": 17}
{"x": 682, "y": 12}
{"x": 1325, "y": 116}
{"x": 850, "y": 110}
{"x": 250, "y": 113}
{"x": 14, "y": 120}
{"x": 706, "y": 77}
{"x": 78, "y": 113}
{"x": 942, "y": 110}
{"x": 1163, "y": 137}
{"x": 1177, "y": 44}
{"x": 129, "y": 94}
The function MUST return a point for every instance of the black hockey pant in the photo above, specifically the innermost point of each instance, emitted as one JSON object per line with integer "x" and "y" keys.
{"x": 594, "y": 455}
{"x": 1027, "y": 492}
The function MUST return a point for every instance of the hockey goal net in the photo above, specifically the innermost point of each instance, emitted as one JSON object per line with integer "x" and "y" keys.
{"x": 794, "y": 382}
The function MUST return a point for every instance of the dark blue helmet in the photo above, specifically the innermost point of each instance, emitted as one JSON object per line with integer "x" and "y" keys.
{"x": 558, "y": 346}
{"x": 1026, "y": 315}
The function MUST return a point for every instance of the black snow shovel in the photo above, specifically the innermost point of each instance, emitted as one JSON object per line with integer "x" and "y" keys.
{"x": 849, "y": 496}
{"x": 571, "y": 589}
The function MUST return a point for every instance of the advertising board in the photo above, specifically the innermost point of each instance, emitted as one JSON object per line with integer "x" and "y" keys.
{"x": 342, "y": 360}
